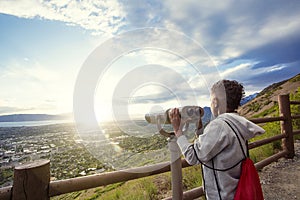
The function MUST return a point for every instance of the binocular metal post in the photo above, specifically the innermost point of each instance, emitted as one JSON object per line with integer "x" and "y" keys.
{"x": 176, "y": 168}
{"x": 188, "y": 114}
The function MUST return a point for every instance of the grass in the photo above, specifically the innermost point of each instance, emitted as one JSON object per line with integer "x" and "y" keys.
{"x": 262, "y": 152}
{"x": 271, "y": 111}
{"x": 143, "y": 188}
{"x": 192, "y": 177}
{"x": 295, "y": 79}
{"x": 5, "y": 175}
{"x": 295, "y": 108}
{"x": 273, "y": 128}
{"x": 104, "y": 190}
{"x": 149, "y": 188}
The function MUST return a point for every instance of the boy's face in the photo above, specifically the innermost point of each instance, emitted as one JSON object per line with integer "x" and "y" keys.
{"x": 217, "y": 103}
{"x": 214, "y": 104}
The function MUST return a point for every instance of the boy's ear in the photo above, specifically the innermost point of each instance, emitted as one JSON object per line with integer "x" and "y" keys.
{"x": 215, "y": 102}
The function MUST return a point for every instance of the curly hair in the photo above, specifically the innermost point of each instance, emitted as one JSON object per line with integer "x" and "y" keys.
{"x": 234, "y": 93}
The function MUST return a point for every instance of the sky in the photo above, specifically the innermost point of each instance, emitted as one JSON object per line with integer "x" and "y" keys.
{"x": 116, "y": 59}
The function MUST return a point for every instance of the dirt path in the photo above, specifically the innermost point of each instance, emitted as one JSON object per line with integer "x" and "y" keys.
{"x": 281, "y": 180}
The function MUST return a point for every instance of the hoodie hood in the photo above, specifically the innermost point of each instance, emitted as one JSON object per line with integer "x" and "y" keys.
{"x": 245, "y": 127}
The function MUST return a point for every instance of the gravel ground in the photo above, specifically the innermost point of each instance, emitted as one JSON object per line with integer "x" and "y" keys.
{"x": 281, "y": 180}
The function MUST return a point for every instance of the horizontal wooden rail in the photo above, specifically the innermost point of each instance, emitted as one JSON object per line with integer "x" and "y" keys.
{"x": 191, "y": 194}
{"x": 296, "y": 132}
{"x": 294, "y": 102}
{"x": 92, "y": 181}
{"x": 265, "y": 141}
{"x": 259, "y": 165}
{"x": 267, "y": 119}
{"x": 295, "y": 116}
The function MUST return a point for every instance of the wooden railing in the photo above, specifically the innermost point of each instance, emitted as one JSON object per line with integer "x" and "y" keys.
{"x": 32, "y": 181}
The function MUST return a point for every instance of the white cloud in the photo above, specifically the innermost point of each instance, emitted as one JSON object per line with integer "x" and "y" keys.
{"x": 275, "y": 68}
{"x": 27, "y": 85}
{"x": 226, "y": 29}
{"x": 237, "y": 71}
{"x": 278, "y": 27}
{"x": 32, "y": 70}
{"x": 245, "y": 71}
{"x": 104, "y": 16}
{"x": 242, "y": 35}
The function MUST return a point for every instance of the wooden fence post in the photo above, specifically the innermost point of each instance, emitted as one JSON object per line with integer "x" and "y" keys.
{"x": 286, "y": 125}
{"x": 31, "y": 181}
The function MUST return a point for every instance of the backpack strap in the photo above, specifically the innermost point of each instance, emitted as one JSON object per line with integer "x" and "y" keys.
{"x": 212, "y": 167}
{"x": 245, "y": 155}
{"x": 226, "y": 169}
{"x": 216, "y": 180}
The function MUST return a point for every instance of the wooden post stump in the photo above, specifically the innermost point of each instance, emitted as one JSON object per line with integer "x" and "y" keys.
{"x": 31, "y": 181}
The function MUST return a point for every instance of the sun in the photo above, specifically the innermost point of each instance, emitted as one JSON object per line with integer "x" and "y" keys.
{"x": 103, "y": 112}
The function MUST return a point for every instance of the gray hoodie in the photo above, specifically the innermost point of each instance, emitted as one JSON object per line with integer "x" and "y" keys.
{"x": 219, "y": 148}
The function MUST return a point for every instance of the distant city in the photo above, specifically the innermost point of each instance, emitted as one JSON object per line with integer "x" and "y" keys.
{"x": 56, "y": 142}
{"x": 73, "y": 154}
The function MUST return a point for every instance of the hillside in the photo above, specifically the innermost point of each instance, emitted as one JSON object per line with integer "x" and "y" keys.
{"x": 267, "y": 99}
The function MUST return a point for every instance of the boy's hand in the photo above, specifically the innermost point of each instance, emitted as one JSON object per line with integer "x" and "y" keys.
{"x": 176, "y": 121}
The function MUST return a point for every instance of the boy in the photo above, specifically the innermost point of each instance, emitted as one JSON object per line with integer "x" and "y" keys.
{"x": 217, "y": 148}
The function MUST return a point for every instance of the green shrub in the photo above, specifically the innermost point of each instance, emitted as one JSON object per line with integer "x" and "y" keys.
{"x": 295, "y": 109}
{"x": 273, "y": 110}
{"x": 262, "y": 152}
{"x": 295, "y": 79}
{"x": 192, "y": 177}
{"x": 5, "y": 175}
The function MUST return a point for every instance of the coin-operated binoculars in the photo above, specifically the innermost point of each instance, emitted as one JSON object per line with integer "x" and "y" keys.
{"x": 188, "y": 114}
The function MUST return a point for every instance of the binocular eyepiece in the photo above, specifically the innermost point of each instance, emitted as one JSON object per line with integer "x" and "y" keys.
{"x": 188, "y": 114}
{"x": 191, "y": 113}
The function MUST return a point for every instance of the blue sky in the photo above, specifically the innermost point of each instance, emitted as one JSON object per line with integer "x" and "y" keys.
{"x": 44, "y": 45}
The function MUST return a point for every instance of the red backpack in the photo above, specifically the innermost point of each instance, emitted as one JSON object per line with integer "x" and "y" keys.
{"x": 249, "y": 187}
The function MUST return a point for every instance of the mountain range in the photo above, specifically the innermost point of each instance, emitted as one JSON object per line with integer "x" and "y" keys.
{"x": 248, "y": 98}
{"x": 33, "y": 117}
